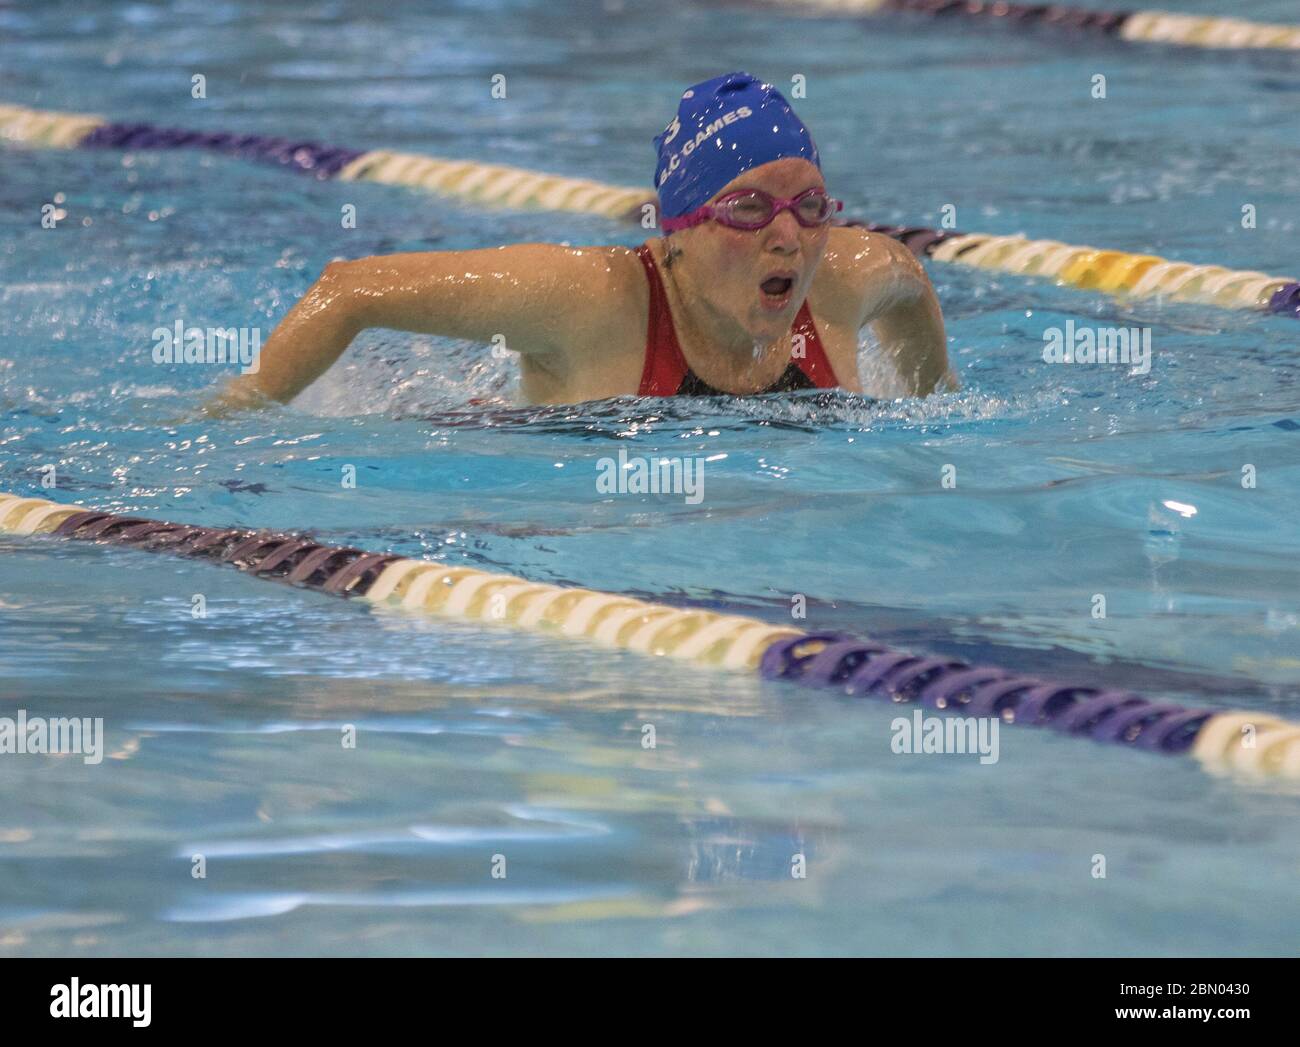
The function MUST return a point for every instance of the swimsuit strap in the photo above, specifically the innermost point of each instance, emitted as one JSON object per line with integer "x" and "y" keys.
{"x": 666, "y": 372}
{"x": 665, "y": 366}
{"x": 815, "y": 363}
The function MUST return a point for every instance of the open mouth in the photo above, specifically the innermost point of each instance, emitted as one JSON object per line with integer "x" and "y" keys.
{"x": 776, "y": 290}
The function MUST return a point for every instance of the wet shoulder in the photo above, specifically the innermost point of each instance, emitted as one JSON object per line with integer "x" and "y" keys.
{"x": 608, "y": 322}
{"x": 627, "y": 294}
{"x": 856, "y": 262}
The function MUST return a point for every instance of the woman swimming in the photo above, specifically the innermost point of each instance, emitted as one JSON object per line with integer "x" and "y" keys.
{"x": 750, "y": 290}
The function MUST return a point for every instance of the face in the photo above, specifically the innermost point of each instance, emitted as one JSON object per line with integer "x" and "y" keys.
{"x": 757, "y": 278}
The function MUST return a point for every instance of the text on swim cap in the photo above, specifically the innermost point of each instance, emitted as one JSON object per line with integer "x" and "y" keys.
{"x": 702, "y": 136}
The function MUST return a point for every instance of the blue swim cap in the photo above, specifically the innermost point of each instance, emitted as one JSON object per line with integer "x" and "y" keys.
{"x": 724, "y": 127}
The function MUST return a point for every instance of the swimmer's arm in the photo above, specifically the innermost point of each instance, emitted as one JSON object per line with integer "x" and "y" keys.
{"x": 312, "y": 335}
{"x": 907, "y": 321}
{"x": 875, "y": 280}
{"x": 529, "y": 294}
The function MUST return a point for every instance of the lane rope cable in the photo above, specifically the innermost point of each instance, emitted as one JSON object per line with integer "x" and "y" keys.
{"x": 1240, "y": 743}
{"x": 1147, "y": 27}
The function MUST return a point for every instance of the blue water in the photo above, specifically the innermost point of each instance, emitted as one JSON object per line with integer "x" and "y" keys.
{"x": 224, "y": 732}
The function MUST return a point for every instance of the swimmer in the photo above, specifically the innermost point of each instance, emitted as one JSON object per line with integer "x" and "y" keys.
{"x": 751, "y": 289}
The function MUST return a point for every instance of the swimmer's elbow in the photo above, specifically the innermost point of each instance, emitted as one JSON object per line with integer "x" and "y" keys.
{"x": 351, "y": 272}
{"x": 340, "y": 276}
{"x": 340, "y": 289}
{"x": 910, "y": 280}
{"x": 335, "y": 273}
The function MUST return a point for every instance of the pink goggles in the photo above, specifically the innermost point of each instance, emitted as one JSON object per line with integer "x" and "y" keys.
{"x": 755, "y": 209}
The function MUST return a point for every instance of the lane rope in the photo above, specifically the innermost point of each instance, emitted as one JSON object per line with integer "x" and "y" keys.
{"x": 1118, "y": 274}
{"x": 1155, "y": 27}
{"x": 1244, "y": 744}
{"x": 476, "y": 182}
{"x": 1114, "y": 273}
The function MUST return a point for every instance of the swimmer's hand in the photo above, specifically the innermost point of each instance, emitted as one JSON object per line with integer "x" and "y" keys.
{"x": 239, "y": 394}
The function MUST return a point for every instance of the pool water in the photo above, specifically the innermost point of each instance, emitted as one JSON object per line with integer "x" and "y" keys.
{"x": 480, "y": 751}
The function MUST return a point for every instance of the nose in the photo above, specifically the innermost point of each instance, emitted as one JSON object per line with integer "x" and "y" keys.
{"x": 783, "y": 233}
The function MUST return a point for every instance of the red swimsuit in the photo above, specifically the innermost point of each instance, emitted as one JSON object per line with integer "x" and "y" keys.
{"x": 666, "y": 372}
